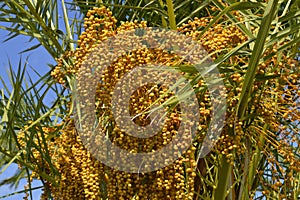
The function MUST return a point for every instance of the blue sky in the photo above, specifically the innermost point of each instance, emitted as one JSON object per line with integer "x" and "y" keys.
{"x": 38, "y": 59}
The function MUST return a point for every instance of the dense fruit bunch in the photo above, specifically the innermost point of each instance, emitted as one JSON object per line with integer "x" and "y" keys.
{"x": 275, "y": 99}
{"x": 172, "y": 182}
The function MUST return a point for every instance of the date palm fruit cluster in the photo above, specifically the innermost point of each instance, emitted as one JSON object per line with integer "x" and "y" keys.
{"x": 84, "y": 177}
{"x": 275, "y": 101}
{"x": 97, "y": 180}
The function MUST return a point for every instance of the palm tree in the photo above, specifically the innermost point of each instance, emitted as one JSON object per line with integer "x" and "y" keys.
{"x": 254, "y": 47}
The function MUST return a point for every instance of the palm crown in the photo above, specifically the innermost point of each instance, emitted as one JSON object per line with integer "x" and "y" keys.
{"x": 253, "y": 45}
